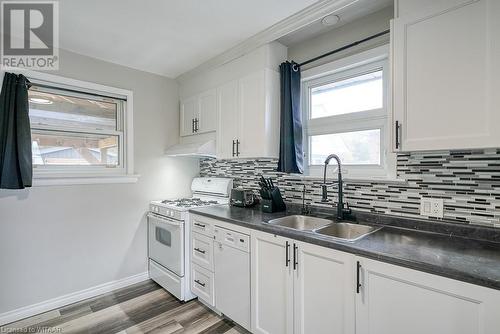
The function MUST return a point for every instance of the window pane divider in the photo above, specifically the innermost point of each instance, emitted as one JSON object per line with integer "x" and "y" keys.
{"x": 41, "y": 127}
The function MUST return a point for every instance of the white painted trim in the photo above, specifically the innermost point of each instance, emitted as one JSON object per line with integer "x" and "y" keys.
{"x": 66, "y": 181}
{"x": 51, "y": 304}
{"x": 292, "y": 23}
{"x": 78, "y": 84}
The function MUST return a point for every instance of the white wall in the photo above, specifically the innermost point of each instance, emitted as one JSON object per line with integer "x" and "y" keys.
{"x": 55, "y": 240}
{"x": 344, "y": 35}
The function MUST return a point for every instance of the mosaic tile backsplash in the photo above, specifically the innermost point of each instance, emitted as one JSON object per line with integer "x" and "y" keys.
{"x": 468, "y": 181}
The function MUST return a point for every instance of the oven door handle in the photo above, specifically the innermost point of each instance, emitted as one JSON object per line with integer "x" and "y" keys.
{"x": 165, "y": 219}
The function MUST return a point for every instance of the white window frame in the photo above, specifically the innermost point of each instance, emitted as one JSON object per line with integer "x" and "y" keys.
{"x": 351, "y": 66}
{"x": 58, "y": 175}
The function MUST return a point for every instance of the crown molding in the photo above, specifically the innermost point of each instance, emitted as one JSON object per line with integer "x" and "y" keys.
{"x": 292, "y": 23}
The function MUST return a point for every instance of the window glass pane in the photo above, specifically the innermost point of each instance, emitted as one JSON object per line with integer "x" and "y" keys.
{"x": 353, "y": 148}
{"x": 59, "y": 148}
{"x": 61, "y": 110}
{"x": 360, "y": 93}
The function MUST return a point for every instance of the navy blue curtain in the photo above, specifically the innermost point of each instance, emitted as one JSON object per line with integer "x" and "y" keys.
{"x": 15, "y": 133}
{"x": 291, "y": 157}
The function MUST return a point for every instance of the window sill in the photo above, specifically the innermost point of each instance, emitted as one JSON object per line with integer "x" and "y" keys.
{"x": 65, "y": 181}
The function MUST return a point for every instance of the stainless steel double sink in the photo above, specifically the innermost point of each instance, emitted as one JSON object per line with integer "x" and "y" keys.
{"x": 338, "y": 230}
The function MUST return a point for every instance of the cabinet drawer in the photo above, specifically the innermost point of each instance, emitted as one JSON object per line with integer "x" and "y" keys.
{"x": 202, "y": 284}
{"x": 202, "y": 249}
{"x": 200, "y": 225}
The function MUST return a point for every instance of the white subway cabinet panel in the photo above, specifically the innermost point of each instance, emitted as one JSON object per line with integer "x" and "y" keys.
{"x": 324, "y": 287}
{"x": 228, "y": 120}
{"x": 272, "y": 292}
{"x": 446, "y": 75}
{"x": 395, "y": 300}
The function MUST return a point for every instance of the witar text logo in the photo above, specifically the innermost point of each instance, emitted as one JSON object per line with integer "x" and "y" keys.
{"x": 29, "y": 35}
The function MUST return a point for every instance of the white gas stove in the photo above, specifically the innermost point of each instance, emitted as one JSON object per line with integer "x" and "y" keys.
{"x": 169, "y": 233}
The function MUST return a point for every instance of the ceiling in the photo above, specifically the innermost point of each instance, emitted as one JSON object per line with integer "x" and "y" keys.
{"x": 347, "y": 14}
{"x": 166, "y": 37}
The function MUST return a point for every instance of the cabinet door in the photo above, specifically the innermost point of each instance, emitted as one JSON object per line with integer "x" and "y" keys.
{"x": 189, "y": 111}
{"x": 228, "y": 121}
{"x": 447, "y": 75}
{"x": 208, "y": 111}
{"x": 324, "y": 291}
{"x": 252, "y": 115}
{"x": 395, "y": 300}
{"x": 271, "y": 285}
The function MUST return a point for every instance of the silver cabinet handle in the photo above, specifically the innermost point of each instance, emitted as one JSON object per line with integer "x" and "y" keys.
{"x": 397, "y": 139}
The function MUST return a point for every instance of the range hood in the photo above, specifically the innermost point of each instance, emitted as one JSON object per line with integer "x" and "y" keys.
{"x": 195, "y": 150}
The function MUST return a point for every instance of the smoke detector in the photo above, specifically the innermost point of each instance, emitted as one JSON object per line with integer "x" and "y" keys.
{"x": 330, "y": 20}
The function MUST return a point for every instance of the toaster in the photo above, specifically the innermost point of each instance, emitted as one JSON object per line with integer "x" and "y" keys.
{"x": 242, "y": 197}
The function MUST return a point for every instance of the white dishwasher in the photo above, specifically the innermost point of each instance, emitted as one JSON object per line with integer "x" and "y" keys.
{"x": 232, "y": 275}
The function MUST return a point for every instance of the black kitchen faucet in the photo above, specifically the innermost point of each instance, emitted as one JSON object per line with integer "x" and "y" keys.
{"x": 341, "y": 211}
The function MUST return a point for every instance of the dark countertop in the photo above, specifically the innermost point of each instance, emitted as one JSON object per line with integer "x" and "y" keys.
{"x": 439, "y": 251}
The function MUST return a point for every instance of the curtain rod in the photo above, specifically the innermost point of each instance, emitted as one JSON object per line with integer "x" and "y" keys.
{"x": 345, "y": 47}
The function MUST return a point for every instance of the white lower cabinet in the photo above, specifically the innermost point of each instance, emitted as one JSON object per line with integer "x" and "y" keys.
{"x": 220, "y": 267}
{"x": 272, "y": 284}
{"x": 324, "y": 285}
{"x": 395, "y": 300}
{"x": 202, "y": 284}
{"x": 300, "y": 288}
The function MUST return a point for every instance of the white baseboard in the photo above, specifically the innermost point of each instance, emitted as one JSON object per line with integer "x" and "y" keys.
{"x": 51, "y": 304}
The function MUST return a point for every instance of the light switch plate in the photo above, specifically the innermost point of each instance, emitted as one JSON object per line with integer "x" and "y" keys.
{"x": 432, "y": 207}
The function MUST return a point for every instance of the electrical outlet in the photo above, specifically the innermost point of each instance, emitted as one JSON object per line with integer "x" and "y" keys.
{"x": 432, "y": 207}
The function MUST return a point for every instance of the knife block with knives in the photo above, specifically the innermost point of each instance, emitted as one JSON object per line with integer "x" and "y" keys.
{"x": 272, "y": 201}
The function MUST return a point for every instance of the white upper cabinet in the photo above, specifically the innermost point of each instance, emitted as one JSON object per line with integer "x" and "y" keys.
{"x": 190, "y": 110}
{"x": 238, "y": 104}
{"x": 248, "y": 113}
{"x": 446, "y": 74}
{"x": 395, "y": 300}
{"x": 228, "y": 120}
{"x": 208, "y": 111}
{"x": 199, "y": 113}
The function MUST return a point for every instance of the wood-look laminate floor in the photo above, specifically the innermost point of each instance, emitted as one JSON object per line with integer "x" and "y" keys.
{"x": 141, "y": 308}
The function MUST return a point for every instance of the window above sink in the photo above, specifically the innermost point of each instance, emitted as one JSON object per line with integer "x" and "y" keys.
{"x": 345, "y": 107}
